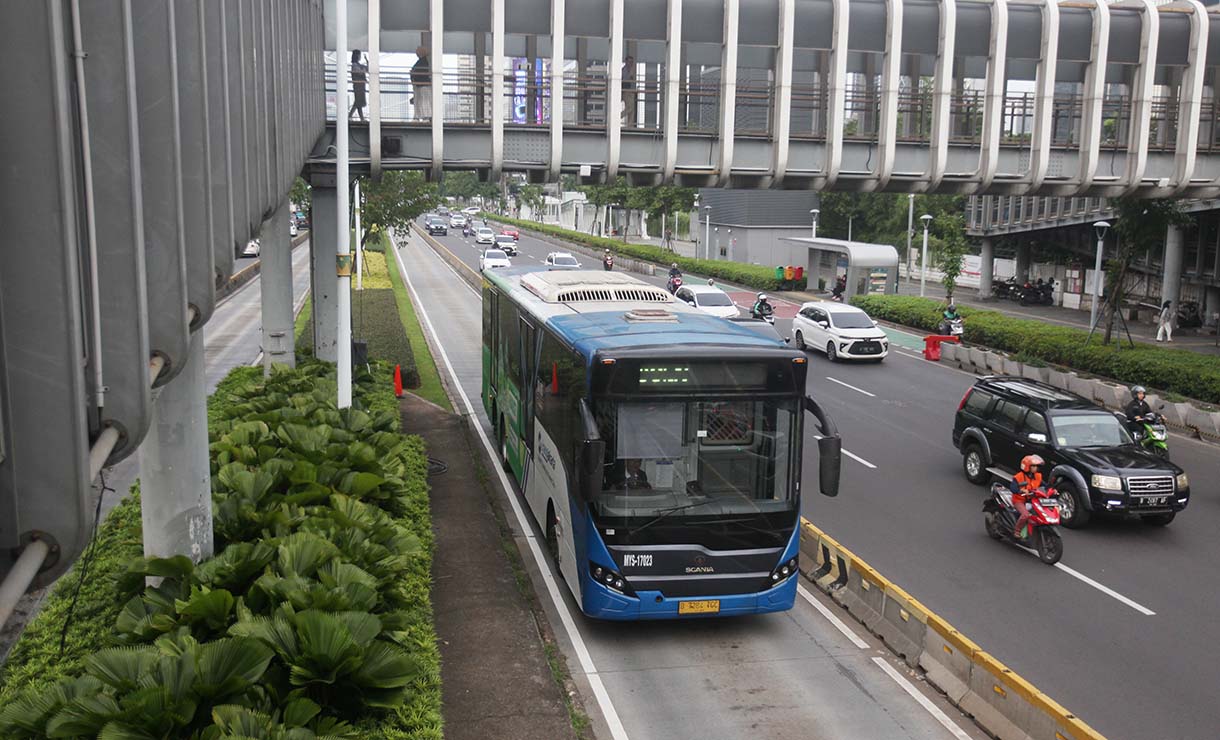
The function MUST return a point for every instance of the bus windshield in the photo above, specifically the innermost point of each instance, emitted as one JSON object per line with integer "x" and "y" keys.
{"x": 696, "y": 458}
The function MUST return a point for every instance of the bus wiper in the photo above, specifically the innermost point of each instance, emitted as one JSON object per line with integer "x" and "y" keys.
{"x": 666, "y": 512}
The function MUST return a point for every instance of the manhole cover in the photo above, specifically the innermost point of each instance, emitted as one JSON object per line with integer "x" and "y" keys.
{"x": 436, "y": 467}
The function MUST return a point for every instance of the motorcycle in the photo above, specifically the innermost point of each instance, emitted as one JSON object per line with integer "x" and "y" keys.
{"x": 607, "y": 263}
{"x": 765, "y": 312}
{"x": 674, "y": 283}
{"x": 1035, "y": 294}
{"x": 951, "y": 327}
{"x": 1189, "y": 315}
{"x": 1151, "y": 434}
{"x": 1041, "y": 533}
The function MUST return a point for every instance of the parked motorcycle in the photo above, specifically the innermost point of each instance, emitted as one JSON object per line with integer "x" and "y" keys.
{"x": 1041, "y": 533}
{"x": 1151, "y": 434}
{"x": 1005, "y": 289}
{"x": 1189, "y": 315}
{"x": 1035, "y": 294}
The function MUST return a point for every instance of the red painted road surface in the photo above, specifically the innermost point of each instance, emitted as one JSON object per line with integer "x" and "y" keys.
{"x": 783, "y": 309}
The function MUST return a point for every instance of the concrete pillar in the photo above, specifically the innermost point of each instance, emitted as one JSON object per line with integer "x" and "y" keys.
{"x": 175, "y": 478}
{"x": 986, "y": 268}
{"x": 1023, "y": 251}
{"x": 276, "y": 277}
{"x": 1171, "y": 279}
{"x": 324, "y": 288}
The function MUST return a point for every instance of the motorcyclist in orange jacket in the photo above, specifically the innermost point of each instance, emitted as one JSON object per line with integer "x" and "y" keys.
{"x": 1025, "y": 485}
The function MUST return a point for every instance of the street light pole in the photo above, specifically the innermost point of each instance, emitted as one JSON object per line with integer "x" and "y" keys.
{"x": 707, "y": 232}
{"x": 1100, "y": 227}
{"x": 923, "y": 260}
{"x": 910, "y": 232}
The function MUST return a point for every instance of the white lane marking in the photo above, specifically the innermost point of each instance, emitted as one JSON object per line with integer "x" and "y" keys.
{"x": 1106, "y": 590}
{"x": 860, "y": 460}
{"x": 831, "y": 617}
{"x": 578, "y": 644}
{"x": 852, "y": 455}
{"x": 924, "y": 701}
{"x": 849, "y": 385}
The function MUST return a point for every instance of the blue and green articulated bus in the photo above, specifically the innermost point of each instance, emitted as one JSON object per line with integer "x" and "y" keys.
{"x": 659, "y": 448}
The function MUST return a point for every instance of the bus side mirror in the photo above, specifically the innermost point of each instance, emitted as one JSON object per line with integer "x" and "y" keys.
{"x": 830, "y": 449}
{"x": 591, "y": 455}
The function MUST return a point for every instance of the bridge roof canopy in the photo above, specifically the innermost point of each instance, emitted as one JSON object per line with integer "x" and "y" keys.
{"x": 859, "y": 254}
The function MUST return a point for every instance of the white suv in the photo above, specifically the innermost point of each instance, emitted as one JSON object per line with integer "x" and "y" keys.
{"x": 561, "y": 261}
{"x": 484, "y": 236}
{"x": 843, "y": 332}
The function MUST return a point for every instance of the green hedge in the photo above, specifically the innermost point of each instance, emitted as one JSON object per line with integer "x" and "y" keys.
{"x": 313, "y": 619}
{"x": 375, "y": 320}
{"x": 754, "y": 276}
{"x": 1182, "y": 372}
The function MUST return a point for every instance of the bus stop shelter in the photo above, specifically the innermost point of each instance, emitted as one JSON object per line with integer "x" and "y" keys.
{"x": 871, "y": 268}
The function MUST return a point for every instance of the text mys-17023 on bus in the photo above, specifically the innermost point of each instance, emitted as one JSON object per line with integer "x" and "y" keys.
{"x": 658, "y": 448}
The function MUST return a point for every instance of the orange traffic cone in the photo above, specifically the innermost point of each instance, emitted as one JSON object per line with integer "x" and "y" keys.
{"x": 398, "y": 381}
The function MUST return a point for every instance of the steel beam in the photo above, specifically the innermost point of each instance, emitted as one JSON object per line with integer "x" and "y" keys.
{"x": 1190, "y": 98}
{"x": 993, "y": 97}
{"x": 614, "y": 98}
{"x": 783, "y": 93}
{"x": 557, "y": 44}
{"x": 891, "y": 73}
{"x": 374, "y": 89}
{"x": 1141, "y": 95}
{"x": 1094, "y": 96}
{"x": 942, "y": 94}
{"x": 673, "y": 63}
{"x": 436, "y": 18}
{"x": 1044, "y": 100}
{"x": 219, "y": 139}
{"x": 497, "y": 90}
{"x": 836, "y": 80}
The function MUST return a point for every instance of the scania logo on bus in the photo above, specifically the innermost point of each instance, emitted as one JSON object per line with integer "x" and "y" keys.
{"x": 700, "y": 566}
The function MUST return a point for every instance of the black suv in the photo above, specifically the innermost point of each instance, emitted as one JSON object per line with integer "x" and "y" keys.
{"x": 1090, "y": 456}
{"x": 437, "y": 226}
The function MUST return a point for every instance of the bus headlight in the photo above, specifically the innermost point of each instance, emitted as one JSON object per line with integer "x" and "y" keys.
{"x": 610, "y": 578}
{"x": 782, "y": 573}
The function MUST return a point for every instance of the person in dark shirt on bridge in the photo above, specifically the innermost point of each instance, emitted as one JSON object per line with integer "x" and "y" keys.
{"x": 421, "y": 83}
{"x": 359, "y": 80}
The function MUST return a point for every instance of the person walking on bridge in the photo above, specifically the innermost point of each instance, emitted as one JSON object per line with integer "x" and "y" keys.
{"x": 359, "y": 79}
{"x": 421, "y": 84}
{"x": 1164, "y": 323}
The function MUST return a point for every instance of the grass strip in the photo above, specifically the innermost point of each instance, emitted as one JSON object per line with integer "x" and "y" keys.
{"x": 430, "y": 387}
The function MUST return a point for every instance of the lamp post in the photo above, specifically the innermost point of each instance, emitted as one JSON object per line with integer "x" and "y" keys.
{"x": 813, "y": 218}
{"x": 910, "y": 232}
{"x": 1100, "y": 227}
{"x": 923, "y": 260}
{"x": 707, "y": 231}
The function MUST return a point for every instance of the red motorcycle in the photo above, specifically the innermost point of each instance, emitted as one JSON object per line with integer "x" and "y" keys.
{"x": 1041, "y": 532}
{"x": 675, "y": 282}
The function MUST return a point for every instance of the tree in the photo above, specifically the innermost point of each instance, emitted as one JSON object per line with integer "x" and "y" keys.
{"x": 466, "y": 186}
{"x": 397, "y": 200}
{"x": 530, "y": 195}
{"x": 301, "y": 194}
{"x": 952, "y": 232}
{"x": 1140, "y": 226}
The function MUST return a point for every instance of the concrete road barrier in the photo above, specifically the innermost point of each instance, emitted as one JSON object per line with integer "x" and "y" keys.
{"x": 1000, "y": 701}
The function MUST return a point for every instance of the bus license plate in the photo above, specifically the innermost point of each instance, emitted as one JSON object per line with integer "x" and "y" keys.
{"x": 699, "y": 607}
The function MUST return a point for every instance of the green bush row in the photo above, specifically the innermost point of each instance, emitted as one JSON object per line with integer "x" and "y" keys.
{"x": 1183, "y": 372}
{"x": 375, "y": 321}
{"x": 754, "y": 276}
{"x": 313, "y": 619}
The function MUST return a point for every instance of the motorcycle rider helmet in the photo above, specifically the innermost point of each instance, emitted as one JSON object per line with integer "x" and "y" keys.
{"x": 762, "y": 296}
{"x": 1029, "y": 462}
{"x": 711, "y": 282}
{"x": 952, "y": 307}
{"x": 673, "y": 266}
{"x": 1136, "y": 390}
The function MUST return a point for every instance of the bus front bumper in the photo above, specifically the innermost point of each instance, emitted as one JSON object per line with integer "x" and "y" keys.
{"x": 602, "y": 603}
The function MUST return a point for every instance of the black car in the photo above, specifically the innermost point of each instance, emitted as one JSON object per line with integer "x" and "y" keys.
{"x": 1090, "y": 456}
{"x": 437, "y": 227}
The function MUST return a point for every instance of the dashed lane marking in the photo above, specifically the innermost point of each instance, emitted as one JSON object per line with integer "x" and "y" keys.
{"x": 849, "y": 385}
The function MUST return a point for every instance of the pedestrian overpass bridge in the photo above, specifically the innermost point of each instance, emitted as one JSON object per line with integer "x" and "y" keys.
{"x": 952, "y": 96}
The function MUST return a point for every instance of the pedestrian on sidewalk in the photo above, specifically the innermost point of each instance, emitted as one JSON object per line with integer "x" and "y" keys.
{"x": 1164, "y": 323}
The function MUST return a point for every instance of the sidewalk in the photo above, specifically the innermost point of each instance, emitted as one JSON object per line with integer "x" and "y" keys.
{"x": 495, "y": 678}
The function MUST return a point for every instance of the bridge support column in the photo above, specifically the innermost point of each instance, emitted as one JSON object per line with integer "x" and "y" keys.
{"x": 1023, "y": 251}
{"x": 1171, "y": 280}
{"x": 986, "y": 268}
{"x": 276, "y": 277}
{"x": 176, "y": 483}
{"x": 324, "y": 288}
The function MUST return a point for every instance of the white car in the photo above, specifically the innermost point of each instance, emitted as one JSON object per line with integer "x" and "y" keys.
{"x": 843, "y": 332}
{"x": 471, "y": 211}
{"x": 493, "y": 258}
{"x": 456, "y": 221}
{"x": 709, "y": 299}
{"x": 561, "y": 261}
{"x": 292, "y": 226}
{"x": 484, "y": 236}
{"x": 507, "y": 243}
{"x": 253, "y": 247}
